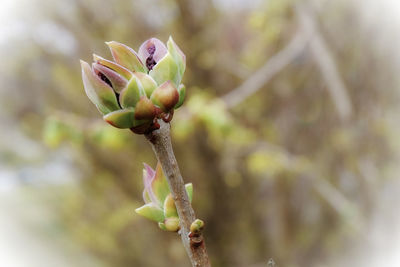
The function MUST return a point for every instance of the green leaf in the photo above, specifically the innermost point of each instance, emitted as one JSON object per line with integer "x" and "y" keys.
{"x": 151, "y": 212}
{"x": 159, "y": 185}
{"x": 123, "y": 118}
{"x": 132, "y": 93}
{"x": 182, "y": 94}
{"x": 126, "y": 57}
{"x": 148, "y": 83}
{"x": 100, "y": 93}
{"x": 178, "y": 56}
{"x": 162, "y": 226}
{"x": 189, "y": 191}
{"x": 114, "y": 66}
{"x": 166, "y": 70}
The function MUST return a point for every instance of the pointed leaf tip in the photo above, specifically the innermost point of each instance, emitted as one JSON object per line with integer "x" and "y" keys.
{"x": 189, "y": 191}
{"x": 151, "y": 212}
{"x": 126, "y": 56}
{"x": 114, "y": 66}
{"x": 123, "y": 118}
{"x": 169, "y": 207}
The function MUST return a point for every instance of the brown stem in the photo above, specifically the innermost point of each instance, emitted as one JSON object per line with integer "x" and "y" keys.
{"x": 160, "y": 141}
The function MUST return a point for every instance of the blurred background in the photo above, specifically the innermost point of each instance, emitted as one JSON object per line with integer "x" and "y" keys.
{"x": 289, "y": 133}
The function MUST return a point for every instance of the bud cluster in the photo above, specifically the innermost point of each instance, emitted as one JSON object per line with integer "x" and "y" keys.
{"x": 136, "y": 89}
{"x": 159, "y": 203}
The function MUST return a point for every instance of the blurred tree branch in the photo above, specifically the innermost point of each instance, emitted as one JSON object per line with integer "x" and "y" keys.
{"x": 274, "y": 65}
{"x": 326, "y": 63}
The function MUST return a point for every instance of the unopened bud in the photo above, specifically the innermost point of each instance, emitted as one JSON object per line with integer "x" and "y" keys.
{"x": 197, "y": 226}
{"x": 165, "y": 96}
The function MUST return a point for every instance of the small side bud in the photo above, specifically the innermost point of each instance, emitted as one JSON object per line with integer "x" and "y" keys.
{"x": 197, "y": 226}
{"x": 165, "y": 96}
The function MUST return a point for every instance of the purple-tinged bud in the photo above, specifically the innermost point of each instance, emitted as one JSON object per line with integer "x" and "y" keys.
{"x": 152, "y": 51}
{"x": 112, "y": 78}
{"x": 98, "y": 91}
{"x": 145, "y": 109}
{"x": 165, "y": 96}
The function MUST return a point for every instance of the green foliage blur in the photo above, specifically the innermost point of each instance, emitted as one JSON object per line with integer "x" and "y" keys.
{"x": 279, "y": 175}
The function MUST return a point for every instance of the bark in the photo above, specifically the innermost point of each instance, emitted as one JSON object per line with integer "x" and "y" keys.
{"x": 160, "y": 141}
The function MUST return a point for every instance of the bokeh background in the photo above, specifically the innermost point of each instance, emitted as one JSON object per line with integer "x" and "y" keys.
{"x": 289, "y": 133}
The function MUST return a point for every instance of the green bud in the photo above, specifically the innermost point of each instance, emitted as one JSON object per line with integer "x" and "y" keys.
{"x": 151, "y": 212}
{"x": 165, "y": 96}
{"x": 197, "y": 226}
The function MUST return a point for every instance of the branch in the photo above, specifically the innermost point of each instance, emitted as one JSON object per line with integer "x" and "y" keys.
{"x": 160, "y": 141}
{"x": 266, "y": 72}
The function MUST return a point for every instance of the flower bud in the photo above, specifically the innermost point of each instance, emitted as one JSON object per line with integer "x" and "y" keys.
{"x": 165, "y": 96}
{"x": 151, "y": 52}
{"x": 121, "y": 89}
{"x": 157, "y": 194}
